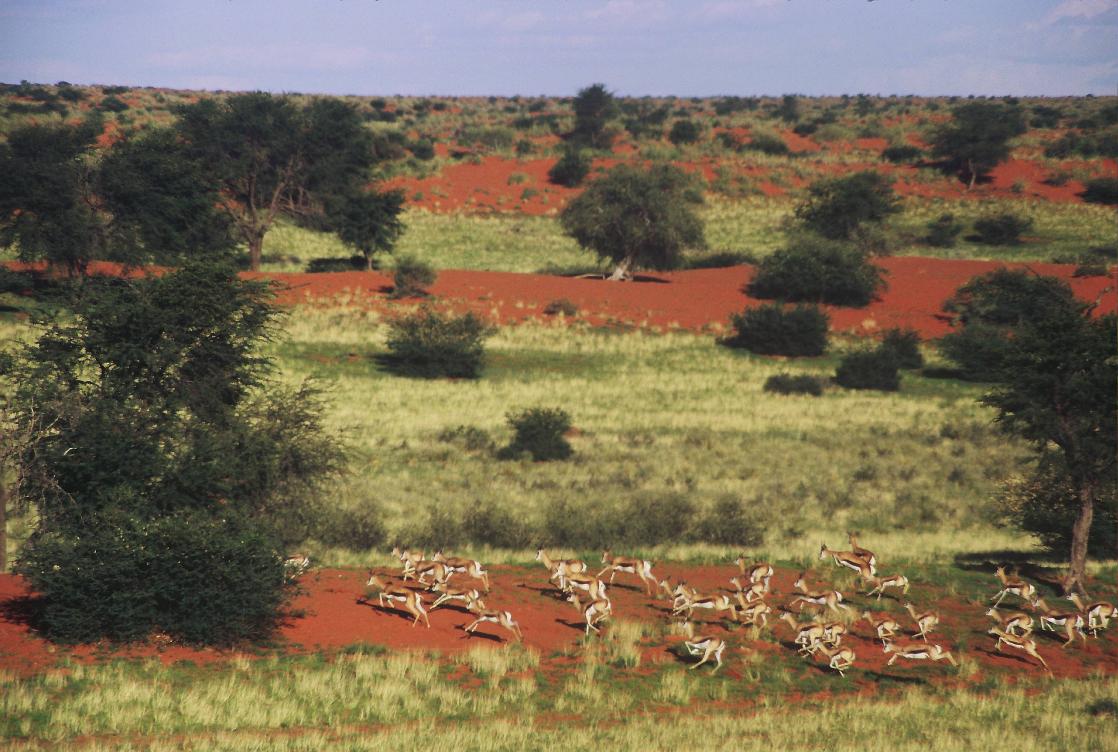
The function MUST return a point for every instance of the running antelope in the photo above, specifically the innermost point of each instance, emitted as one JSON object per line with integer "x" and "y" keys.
{"x": 707, "y": 646}
{"x": 1026, "y": 644}
{"x": 831, "y": 599}
{"x": 1098, "y": 614}
{"x": 885, "y": 627}
{"x": 468, "y": 567}
{"x": 745, "y": 595}
{"x": 918, "y": 652}
{"x": 408, "y": 559}
{"x": 925, "y": 622}
{"x": 1013, "y": 621}
{"x": 560, "y": 568}
{"x": 759, "y": 572}
{"x": 808, "y": 636}
{"x": 895, "y": 581}
{"x": 754, "y": 613}
{"x": 833, "y": 632}
{"x": 494, "y": 616}
{"x": 865, "y": 553}
{"x": 640, "y": 567}
{"x": 1014, "y": 586}
{"x": 411, "y": 600}
{"x": 466, "y": 595}
{"x": 295, "y": 564}
{"x": 716, "y": 603}
{"x": 1071, "y": 621}
{"x": 596, "y": 611}
{"x": 592, "y": 586}
{"x": 438, "y": 571}
{"x": 839, "y": 659}
{"x": 849, "y": 560}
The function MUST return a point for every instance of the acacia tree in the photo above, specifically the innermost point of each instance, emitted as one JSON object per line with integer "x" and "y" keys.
{"x": 637, "y": 218}
{"x": 977, "y": 138}
{"x": 1057, "y": 391}
{"x": 594, "y": 107}
{"x": 271, "y": 158}
{"x": 368, "y": 220}
{"x": 838, "y": 207}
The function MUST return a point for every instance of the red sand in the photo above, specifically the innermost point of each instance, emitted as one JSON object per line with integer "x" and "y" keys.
{"x": 335, "y": 614}
{"x": 695, "y": 300}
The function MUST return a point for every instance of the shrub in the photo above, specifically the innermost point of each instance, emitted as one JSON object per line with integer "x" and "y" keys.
{"x": 195, "y": 577}
{"x": 902, "y": 153}
{"x": 571, "y": 169}
{"x": 539, "y": 432}
{"x": 788, "y": 383}
{"x": 412, "y": 277}
{"x": 359, "y": 528}
{"x": 335, "y": 264}
{"x": 561, "y": 305}
{"x": 869, "y": 369}
{"x": 943, "y": 231}
{"x": 487, "y": 523}
{"x": 423, "y": 148}
{"x": 1046, "y": 505}
{"x": 1101, "y": 191}
{"x": 904, "y": 344}
{"x": 430, "y": 345}
{"x": 978, "y": 348}
{"x": 685, "y": 132}
{"x": 652, "y": 518}
{"x": 719, "y": 260}
{"x": 836, "y": 208}
{"x": 470, "y": 438}
{"x": 817, "y": 270}
{"x": 1001, "y": 229}
{"x": 728, "y": 522}
{"x": 774, "y": 330}
{"x": 767, "y": 143}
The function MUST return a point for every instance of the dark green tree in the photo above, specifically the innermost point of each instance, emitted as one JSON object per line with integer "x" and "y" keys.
{"x": 271, "y": 158}
{"x": 1056, "y": 388}
{"x": 368, "y": 220}
{"x": 977, "y": 138}
{"x": 838, "y": 207}
{"x": 816, "y": 270}
{"x": 594, "y": 108}
{"x": 637, "y": 218}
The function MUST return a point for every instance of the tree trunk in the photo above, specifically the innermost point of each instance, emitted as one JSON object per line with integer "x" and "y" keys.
{"x": 3, "y": 524}
{"x": 255, "y": 251}
{"x": 973, "y": 174}
{"x": 623, "y": 270}
{"x": 1077, "y": 569}
{"x": 368, "y": 262}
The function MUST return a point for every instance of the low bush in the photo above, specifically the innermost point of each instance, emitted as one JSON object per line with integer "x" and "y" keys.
{"x": 1101, "y": 191}
{"x": 197, "y": 578}
{"x": 729, "y": 522}
{"x": 817, "y": 270}
{"x": 719, "y": 260}
{"x": 869, "y": 369}
{"x": 432, "y": 345}
{"x": 571, "y": 169}
{"x": 335, "y": 264}
{"x": 685, "y": 132}
{"x": 902, "y": 154}
{"x": 904, "y": 345}
{"x": 487, "y": 523}
{"x": 767, "y": 143}
{"x": 943, "y": 231}
{"x": 539, "y": 433}
{"x": 788, "y": 383}
{"x": 359, "y": 528}
{"x": 560, "y": 306}
{"x": 470, "y": 438}
{"x": 1004, "y": 228}
{"x": 978, "y": 349}
{"x": 412, "y": 277}
{"x": 775, "y": 330}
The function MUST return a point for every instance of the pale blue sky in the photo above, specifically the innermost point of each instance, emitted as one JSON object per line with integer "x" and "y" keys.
{"x": 635, "y": 47}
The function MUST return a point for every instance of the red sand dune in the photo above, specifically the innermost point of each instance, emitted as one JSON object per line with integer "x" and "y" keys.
{"x": 693, "y": 300}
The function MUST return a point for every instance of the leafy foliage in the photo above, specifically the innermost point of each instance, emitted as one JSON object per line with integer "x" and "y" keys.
{"x": 1046, "y": 504}
{"x": 836, "y": 208}
{"x": 817, "y": 270}
{"x": 1101, "y": 191}
{"x": 775, "y": 330}
{"x": 685, "y": 132}
{"x": 571, "y": 169}
{"x": 869, "y": 369}
{"x": 368, "y": 220}
{"x": 432, "y": 345}
{"x": 1004, "y": 228}
{"x": 904, "y": 345}
{"x": 637, "y": 217}
{"x": 977, "y": 138}
{"x": 943, "y": 231}
{"x": 594, "y": 107}
{"x": 412, "y": 277}
{"x": 539, "y": 431}
{"x": 788, "y": 383}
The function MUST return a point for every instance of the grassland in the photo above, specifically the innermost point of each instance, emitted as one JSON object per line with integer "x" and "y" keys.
{"x": 754, "y": 226}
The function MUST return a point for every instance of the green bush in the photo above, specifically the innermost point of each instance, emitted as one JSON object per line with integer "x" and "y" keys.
{"x": 685, "y": 132}
{"x": 979, "y": 349}
{"x": 1101, "y": 191}
{"x": 539, "y": 432}
{"x": 561, "y": 305}
{"x": 902, "y": 154}
{"x": 412, "y": 277}
{"x": 1004, "y": 228}
{"x": 817, "y": 270}
{"x": 904, "y": 344}
{"x": 869, "y": 369}
{"x": 835, "y": 208}
{"x": 470, "y": 438}
{"x": 196, "y": 577}
{"x": 728, "y": 522}
{"x": 571, "y": 169}
{"x": 788, "y": 383}
{"x": 487, "y": 523}
{"x": 943, "y": 231}
{"x": 359, "y": 528}
{"x": 775, "y": 330}
{"x": 431, "y": 345}
{"x": 767, "y": 143}
{"x": 335, "y": 264}
{"x": 423, "y": 148}
{"x": 1047, "y": 504}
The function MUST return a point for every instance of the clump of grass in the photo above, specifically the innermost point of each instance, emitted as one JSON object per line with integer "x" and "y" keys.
{"x": 622, "y": 642}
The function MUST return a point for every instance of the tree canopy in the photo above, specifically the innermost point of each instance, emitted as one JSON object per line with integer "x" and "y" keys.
{"x": 838, "y": 207}
{"x": 637, "y": 217}
{"x": 977, "y": 138}
{"x": 594, "y": 107}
